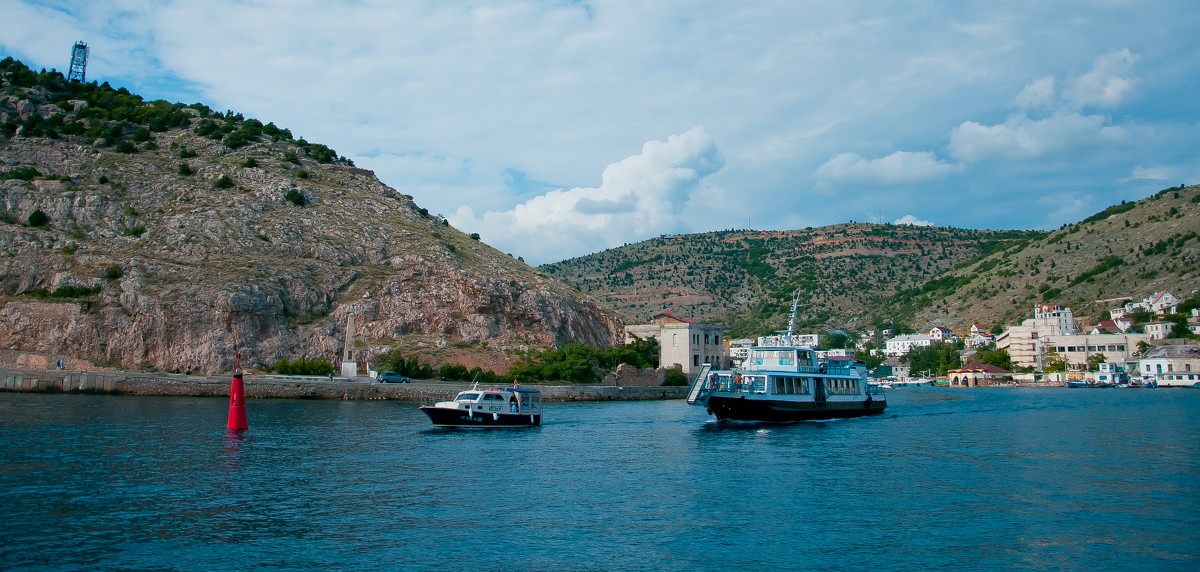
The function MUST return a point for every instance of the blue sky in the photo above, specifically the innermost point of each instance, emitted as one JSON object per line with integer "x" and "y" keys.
{"x": 555, "y": 129}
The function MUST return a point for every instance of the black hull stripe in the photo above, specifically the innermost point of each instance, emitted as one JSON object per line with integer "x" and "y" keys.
{"x": 763, "y": 410}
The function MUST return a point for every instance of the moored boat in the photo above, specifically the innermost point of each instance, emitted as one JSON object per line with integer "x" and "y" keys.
{"x": 498, "y": 407}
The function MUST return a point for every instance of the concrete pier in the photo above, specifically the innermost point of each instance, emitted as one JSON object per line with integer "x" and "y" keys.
{"x": 294, "y": 387}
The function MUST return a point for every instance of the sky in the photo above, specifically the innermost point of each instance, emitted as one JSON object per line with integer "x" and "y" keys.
{"x": 556, "y": 129}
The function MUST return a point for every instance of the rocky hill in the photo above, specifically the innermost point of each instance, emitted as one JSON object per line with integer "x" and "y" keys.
{"x": 1127, "y": 251}
{"x": 746, "y": 279}
{"x": 167, "y": 236}
{"x": 854, "y": 276}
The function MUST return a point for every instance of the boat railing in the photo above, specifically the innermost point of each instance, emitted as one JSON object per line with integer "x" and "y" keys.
{"x": 874, "y": 390}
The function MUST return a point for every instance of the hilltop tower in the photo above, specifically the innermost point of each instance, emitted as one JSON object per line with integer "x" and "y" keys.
{"x": 79, "y": 56}
{"x": 349, "y": 365}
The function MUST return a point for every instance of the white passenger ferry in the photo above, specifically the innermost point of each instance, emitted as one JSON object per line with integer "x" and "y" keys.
{"x": 502, "y": 407}
{"x": 788, "y": 383}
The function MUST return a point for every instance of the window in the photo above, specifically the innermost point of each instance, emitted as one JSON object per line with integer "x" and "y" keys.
{"x": 706, "y": 339}
{"x": 696, "y": 360}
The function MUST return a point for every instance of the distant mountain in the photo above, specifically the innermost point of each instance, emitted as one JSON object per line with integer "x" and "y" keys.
{"x": 168, "y": 236}
{"x": 745, "y": 279}
{"x": 1127, "y": 251}
{"x": 855, "y": 276}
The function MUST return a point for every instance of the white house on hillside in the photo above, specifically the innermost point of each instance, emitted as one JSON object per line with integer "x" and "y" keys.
{"x": 941, "y": 334}
{"x": 900, "y": 345}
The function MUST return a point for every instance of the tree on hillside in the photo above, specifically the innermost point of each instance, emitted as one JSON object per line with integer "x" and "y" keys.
{"x": 1094, "y": 361}
{"x": 996, "y": 357}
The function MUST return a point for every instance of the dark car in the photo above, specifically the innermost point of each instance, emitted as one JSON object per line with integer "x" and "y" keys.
{"x": 392, "y": 377}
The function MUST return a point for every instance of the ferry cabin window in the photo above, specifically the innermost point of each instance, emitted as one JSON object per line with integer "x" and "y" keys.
{"x": 790, "y": 386}
{"x": 803, "y": 359}
{"x": 467, "y": 397}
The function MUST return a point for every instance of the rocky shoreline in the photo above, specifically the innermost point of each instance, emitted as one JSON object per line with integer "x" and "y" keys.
{"x": 292, "y": 387}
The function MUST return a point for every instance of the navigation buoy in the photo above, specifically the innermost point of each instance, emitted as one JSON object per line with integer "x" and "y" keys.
{"x": 237, "y": 400}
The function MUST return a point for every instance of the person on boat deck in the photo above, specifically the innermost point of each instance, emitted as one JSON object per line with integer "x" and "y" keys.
{"x": 514, "y": 405}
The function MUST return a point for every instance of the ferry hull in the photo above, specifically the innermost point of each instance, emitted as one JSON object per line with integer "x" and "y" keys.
{"x": 448, "y": 417}
{"x": 742, "y": 409}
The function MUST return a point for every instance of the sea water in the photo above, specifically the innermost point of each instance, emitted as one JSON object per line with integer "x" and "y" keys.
{"x": 947, "y": 479}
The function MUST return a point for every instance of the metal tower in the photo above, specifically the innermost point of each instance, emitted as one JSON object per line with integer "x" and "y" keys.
{"x": 78, "y": 63}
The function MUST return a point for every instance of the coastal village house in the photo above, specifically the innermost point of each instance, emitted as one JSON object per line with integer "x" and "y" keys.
{"x": 1171, "y": 365}
{"x": 1158, "y": 330}
{"x": 1162, "y": 302}
{"x": 682, "y": 343}
{"x": 978, "y": 375}
{"x": 1078, "y": 349}
{"x": 900, "y": 345}
{"x": 739, "y": 351}
{"x": 1023, "y": 342}
{"x": 980, "y": 337}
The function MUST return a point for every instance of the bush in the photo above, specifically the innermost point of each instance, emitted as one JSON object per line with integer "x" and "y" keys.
{"x": 186, "y": 153}
{"x": 249, "y": 162}
{"x": 22, "y": 173}
{"x": 114, "y": 272}
{"x": 224, "y": 182}
{"x": 134, "y": 231}
{"x": 126, "y": 147}
{"x": 303, "y": 366}
{"x": 185, "y": 170}
{"x": 38, "y": 218}
{"x": 302, "y": 174}
{"x": 474, "y": 236}
{"x": 295, "y": 197}
{"x": 675, "y": 377}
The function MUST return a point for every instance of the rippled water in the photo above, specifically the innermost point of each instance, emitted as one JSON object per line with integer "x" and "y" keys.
{"x": 946, "y": 479}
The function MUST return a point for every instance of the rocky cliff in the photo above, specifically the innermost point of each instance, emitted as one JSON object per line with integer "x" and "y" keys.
{"x": 166, "y": 248}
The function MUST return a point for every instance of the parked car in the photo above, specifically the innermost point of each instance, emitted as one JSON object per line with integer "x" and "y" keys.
{"x": 392, "y": 377}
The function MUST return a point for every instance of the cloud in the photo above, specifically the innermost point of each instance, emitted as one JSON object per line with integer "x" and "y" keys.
{"x": 1023, "y": 138}
{"x": 910, "y": 219}
{"x": 1107, "y": 84}
{"x": 1037, "y": 95}
{"x": 901, "y": 167}
{"x": 640, "y": 196}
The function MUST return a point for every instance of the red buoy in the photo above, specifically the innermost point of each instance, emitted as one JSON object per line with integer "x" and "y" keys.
{"x": 237, "y": 401}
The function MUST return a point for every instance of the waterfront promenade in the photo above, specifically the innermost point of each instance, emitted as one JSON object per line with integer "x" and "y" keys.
{"x": 292, "y": 387}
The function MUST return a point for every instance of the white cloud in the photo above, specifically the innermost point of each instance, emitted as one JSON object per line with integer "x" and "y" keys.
{"x": 910, "y": 219}
{"x": 640, "y": 196}
{"x": 901, "y": 167}
{"x": 1023, "y": 138}
{"x": 1107, "y": 84}
{"x": 1037, "y": 95}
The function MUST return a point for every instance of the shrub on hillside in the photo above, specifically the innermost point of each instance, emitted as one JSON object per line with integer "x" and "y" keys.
{"x": 38, "y": 218}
